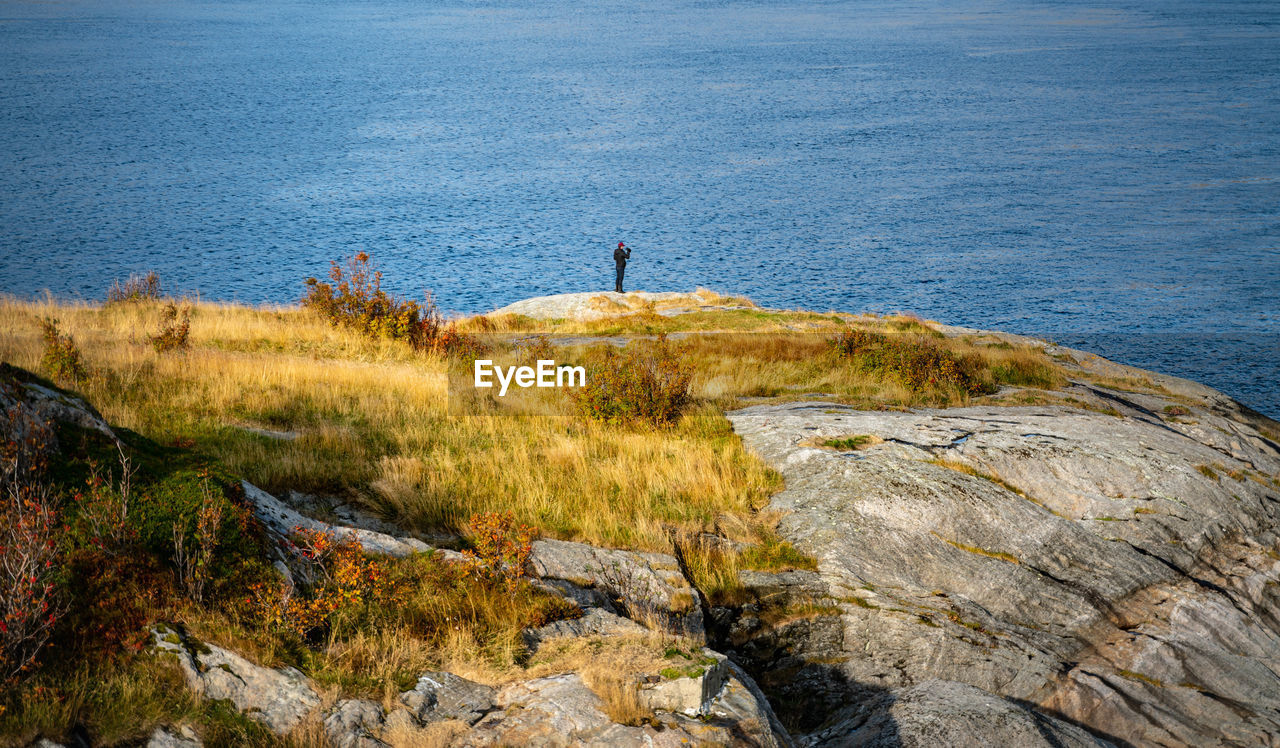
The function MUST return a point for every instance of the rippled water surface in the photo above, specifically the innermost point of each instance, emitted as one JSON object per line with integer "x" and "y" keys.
{"x": 1052, "y": 167}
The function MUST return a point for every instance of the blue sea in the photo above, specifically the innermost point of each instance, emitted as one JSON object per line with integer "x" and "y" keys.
{"x": 1105, "y": 174}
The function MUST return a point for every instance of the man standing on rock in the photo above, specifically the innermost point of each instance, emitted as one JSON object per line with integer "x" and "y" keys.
{"x": 620, "y": 257}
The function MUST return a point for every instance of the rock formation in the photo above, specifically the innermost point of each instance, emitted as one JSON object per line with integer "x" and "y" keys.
{"x": 1118, "y": 570}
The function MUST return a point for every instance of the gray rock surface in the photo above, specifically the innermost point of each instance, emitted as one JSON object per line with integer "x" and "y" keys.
{"x": 1119, "y": 571}
{"x": 51, "y": 405}
{"x": 170, "y": 737}
{"x": 946, "y": 713}
{"x": 354, "y": 723}
{"x": 598, "y": 305}
{"x": 439, "y": 696}
{"x": 561, "y": 710}
{"x": 29, "y": 410}
{"x": 693, "y": 693}
{"x": 281, "y": 519}
{"x": 594, "y": 622}
{"x": 647, "y": 587}
{"x": 279, "y": 698}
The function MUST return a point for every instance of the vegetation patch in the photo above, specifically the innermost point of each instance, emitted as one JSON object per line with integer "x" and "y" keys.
{"x": 851, "y": 443}
{"x": 648, "y": 382}
{"x": 1131, "y": 675}
{"x": 61, "y": 358}
{"x": 354, "y": 298}
{"x": 138, "y": 288}
{"x": 999, "y": 555}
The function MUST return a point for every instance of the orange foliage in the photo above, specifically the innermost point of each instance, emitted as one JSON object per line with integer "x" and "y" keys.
{"x": 501, "y": 548}
{"x": 335, "y": 577}
{"x": 29, "y": 559}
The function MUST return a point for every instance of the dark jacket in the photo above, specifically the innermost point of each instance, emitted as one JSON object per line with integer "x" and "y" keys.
{"x": 621, "y": 255}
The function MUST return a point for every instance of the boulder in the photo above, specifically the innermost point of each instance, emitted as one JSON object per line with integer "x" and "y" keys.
{"x": 52, "y": 405}
{"x": 692, "y": 689}
{"x": 355, "y": 723}
{"x": 170, "y": 737}
{"x": 279, "y": 698}
{"x": 28, "y": 410}
{"x": 1118, "y": 571}
{"x": 440, "y": 696}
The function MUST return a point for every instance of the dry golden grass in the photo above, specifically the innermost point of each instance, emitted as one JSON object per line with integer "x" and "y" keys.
{"x": 611, "y": 667}
{"x": 375, "y": 428}
{"x": 620, "y": 693}
{"x": 434, "y": 735}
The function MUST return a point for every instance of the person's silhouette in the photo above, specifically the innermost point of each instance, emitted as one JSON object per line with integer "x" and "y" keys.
{"x": 620, "y": 257}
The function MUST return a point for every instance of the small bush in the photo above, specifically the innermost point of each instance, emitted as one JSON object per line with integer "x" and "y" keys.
{"x": 354, "y": 298}
{"x": 535, "y": 349}
{"x": 62, "y": 359}
{"x": 175, "y": 329}
{"x": 102, "y": 511}
{"x": 137, "y": 288}
{"x": 30, "y": 563}
{"x": 193, "y": 560}
{"x": 646, "y": 382}
{"x": 115, "y": 596}
{"x": 917, "y": 361}
{"x": 336, "y": 581}
{"x": 501, "y": 548}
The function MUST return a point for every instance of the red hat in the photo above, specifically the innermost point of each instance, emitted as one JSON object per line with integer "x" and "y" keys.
{"x": 619, "y": 244}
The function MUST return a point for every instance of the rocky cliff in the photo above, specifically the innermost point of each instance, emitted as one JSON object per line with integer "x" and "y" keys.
{"x": 1118, "y": 570}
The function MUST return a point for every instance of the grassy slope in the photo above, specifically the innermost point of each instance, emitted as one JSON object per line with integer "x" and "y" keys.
{"x": 375, "y": 430}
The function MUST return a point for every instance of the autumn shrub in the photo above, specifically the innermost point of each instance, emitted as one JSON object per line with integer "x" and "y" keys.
{"x": 61, "y": 359}
{"x": 458, "y": 345}
{"x": 136, "y": 288}
{"x": 916, "y": 361}
{"x": 354, "y": 298}
{"x": 333, "y": 580}
{"x": 193, "y": 557}
{"x": 101, "y": 509}
{"x": 646, "y": 382}
{"x": 175, "y": 329}
{"x": 500, "y": 548}
{"x": 31, "y": 598}
{"x": 535, "y": 349}
{"x": 115, "y": 595}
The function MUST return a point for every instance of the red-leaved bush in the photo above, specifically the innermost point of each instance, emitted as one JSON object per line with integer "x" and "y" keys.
{"x": 354, "y": 298}
{"x": 30, "y": 603}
